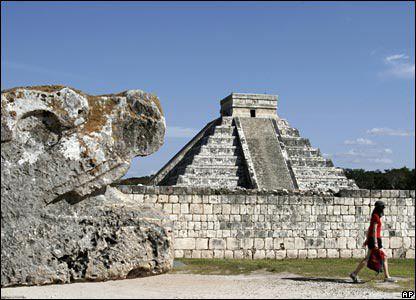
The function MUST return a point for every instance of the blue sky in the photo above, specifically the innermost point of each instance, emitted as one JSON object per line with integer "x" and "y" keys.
{"x": 344, "y": 72}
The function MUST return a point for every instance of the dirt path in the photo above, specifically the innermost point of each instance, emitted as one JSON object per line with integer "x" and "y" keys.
{"x": 256, "y": 285}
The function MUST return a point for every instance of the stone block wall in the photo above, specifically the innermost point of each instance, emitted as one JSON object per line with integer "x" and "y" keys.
{"x": 255, "y": 224}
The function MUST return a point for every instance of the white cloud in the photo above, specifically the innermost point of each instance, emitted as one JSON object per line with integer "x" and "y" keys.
{"x": 368, "y": 152}
{"x": 180, "y": 132}
{"x": 380, "y": 160}
{"x": 396, "y": 57}
{"x": 359, "y": 141}
{"x": 390, "y": 132}
{"x": 398, "y": 66}
{"x": 388, "y": 151}
{"x": 367, "y": 155}
{"x": 351, "y": 153}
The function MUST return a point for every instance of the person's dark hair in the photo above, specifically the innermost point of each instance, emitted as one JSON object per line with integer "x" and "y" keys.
{"x": 379, "y": 208}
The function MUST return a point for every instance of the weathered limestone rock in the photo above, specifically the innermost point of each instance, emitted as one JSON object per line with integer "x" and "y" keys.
{"x": 59, "y": 146}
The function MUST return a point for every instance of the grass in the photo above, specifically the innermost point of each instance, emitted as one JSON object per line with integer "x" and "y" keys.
{"x": 403, "y": 269}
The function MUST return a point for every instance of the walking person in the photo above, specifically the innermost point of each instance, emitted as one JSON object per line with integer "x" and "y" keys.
{"x": 373, "y": 235}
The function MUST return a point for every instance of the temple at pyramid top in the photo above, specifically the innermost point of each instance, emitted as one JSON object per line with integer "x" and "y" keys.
{"x": 249, "y": 105}
{"x": 250, "y": 146}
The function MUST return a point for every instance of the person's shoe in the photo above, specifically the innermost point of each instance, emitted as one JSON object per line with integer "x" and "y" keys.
{"x": 354, "y": 277}
{"x": 389, "y": 279}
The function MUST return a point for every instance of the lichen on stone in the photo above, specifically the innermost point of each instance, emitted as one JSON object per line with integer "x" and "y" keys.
{"x": 60, "y": 149}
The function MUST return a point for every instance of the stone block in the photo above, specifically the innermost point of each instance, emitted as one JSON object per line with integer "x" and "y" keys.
{"x": 205, "y": 199}
{"x": 210, "y": 233}
{"x": 375, "y": 193}
{"x": 184, "y": 208}
{"x": 176, "y": 208}
{"x": 410, "y": 253}
{"x": 196, "y": 253}
{"x": 351, "y": 243}
{"x": 404, "y": 193}
{"x": 270, "y": 254}
{"x": 344, "y": 210}
{"x": 229, "y": 254}
{"x": 201, "y": 243}
{"x": 358, "y": 253}
{"x": 312, "y": 253}
{"x": 232, "y": 244}
{"x": 345, "y": 253}
{"x": 207, "y": 254}
{"x": 289, "y": 243}
{"x": 280, "y": 254}
{"x": 386, "y": 242}
{"x": 238, "y": 254}
{"x": 248, "y": 254}
{"x": 399, "y": 253}
{"x": 207, "y": 208}
{"x": 332, "y": 253}
{"x": 179, "y": 254}
{"x": 292, "y": 253}
{"x": 299, "y": 243}
{"x": 196, "y": 199}
{"x": 185, "y": 243}
{"x": 218, "y": 253}
{"x": 163, "y": 199}
{"x": 330, "y": 243}
{"x": 268, "y": 243}
{"x": 226, "y": 209}
{"x": 235, "y": 209}
{"x": 303, "y": 254}
{"x": 341, "y": 243}
{"x": 216, "y": 244}
{"x": 406, "y": 242}
{"x": 217, "y": 209}
{"x": 396, "y": 242}
{"x": 196, "y": 208}
{"x": 322, "y": 253}
{"x": 259, "y": 254}
{"x": 259, "y": 243}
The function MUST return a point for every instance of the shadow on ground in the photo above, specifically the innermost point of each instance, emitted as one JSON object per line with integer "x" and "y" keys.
{"x": 317, "y": 279}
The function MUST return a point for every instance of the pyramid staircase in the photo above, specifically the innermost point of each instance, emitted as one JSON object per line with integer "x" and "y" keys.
{"x": 215, "y": 160}
{"x": 311, "y": 170}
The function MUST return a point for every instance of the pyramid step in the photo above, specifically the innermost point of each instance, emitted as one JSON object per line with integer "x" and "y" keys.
{"x": 216, "y": 160}
{"x": 288, "y": 132}
{"x": 224, "y": 131}
{"x": 219, "y": 140}
{"x": 212, "y": 171}
{"x": 296, "y": 142}
{"x": 320, "y": 178}
{"x": 327, "y": 184}
{"x": 302, "y": 152}
{"x": 310, "y": 162}
{"x": 316, "y": 171}
{"x": 218, "y": 150}
{"x": 218, "y": 181}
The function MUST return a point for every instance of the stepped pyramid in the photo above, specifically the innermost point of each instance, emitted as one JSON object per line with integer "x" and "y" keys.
{"x": 250, "y": 146}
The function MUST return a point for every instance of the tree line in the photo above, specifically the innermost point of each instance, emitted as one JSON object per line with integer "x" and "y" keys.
{"x": 390, "y": 179}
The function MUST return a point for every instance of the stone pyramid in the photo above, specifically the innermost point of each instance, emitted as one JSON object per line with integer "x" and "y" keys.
{"x": 250, "y": 146}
